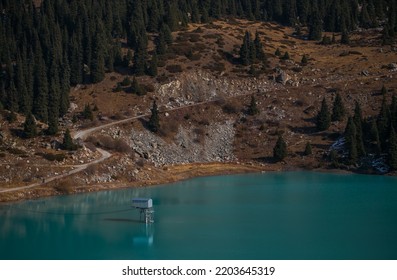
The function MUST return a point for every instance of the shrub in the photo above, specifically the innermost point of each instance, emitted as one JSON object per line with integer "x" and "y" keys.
{"x": 65, "y": 186}
{"x": 174, "y": 68}
{"x": 121, "y": 146}
{"x": 230, "y": 108}
{"x": 126, "y": 82}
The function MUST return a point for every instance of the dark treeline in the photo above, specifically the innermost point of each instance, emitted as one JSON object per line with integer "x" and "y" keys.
{"x": 45, "y": 50}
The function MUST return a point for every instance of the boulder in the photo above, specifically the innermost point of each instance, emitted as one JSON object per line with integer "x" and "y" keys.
{"x": 283, "y": 78}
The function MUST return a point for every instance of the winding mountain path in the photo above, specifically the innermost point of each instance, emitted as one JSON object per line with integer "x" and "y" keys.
{"x": 83, "y": 134}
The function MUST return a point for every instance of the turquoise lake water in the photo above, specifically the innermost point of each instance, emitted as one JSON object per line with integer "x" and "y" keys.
{"x": 292, "y": 215}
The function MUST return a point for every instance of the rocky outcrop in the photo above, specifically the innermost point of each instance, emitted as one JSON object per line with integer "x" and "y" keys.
{"x": 199, "y": 86}
{"x": 216, "y": 145}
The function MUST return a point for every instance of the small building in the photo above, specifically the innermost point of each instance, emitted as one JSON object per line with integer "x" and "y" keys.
{"x": 145, "y": 206}
{"x": 142, "y": 203}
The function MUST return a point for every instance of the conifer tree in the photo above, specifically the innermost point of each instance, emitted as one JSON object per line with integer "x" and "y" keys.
{"x": 315, "y": 28}
{"x": 65, "y": 87}
{"x": 40, "y": 104}
{"x": 323, "y": 117}
{"x": 12, "y": 98}
{"x": 253, "y": 108}
{"x": 345, "y": 37}
{"x": 351, "y": 141}
{"x": 374, "y": 136}
{"x": 277, "y": 52}
{"x": 127, "y": 58}
{"x": 137, "y": 88}
{"x": 152, "y": 70}
{"x": 245, "y": 49}
{"x": 358, "y": 121}
{"x": 383, "y": 122}
{"x": 383, "y": 91}
{"x": 29, "y": 127}
{"x": 280, "y": 149}
{"x": 393, "y": 112}
{"x": 53, "y": 98}
{"x": 285, "y": 56}
{"x": 24, "y": 98}
{"x": 139, "y": 62}
{"x": 98, "y": 61}
{"x": 333, "y": 155}
{"x": 392, "y": 152}
{"x": 68, "y": 143}
{"x": 160, "y": 43}
{"x": 308, "y": 149}
{"x": 154, "y": 121}
{"x": 304, "y": 60}
{"x": 260, "y": 54}
{"x": 338, "y": 109}
{"x": 166, "y": 31}
{"x": 87, "y": 113}
{"x": 11, "y": 117}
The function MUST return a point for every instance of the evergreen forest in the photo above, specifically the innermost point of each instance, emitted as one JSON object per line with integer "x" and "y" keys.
{"x": 48, "y": 46}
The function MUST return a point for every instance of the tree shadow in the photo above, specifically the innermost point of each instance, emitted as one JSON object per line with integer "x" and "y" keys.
{"x": 268, "y": 159}
{"x": 303, "y": 129}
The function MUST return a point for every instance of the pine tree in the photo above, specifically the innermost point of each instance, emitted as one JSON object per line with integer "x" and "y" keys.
{"x": 383, "y": 91}
{"x": 54, "y": 96}
{"x": 136, "y": 88}
{"x": 161, "y": 46}
{"x": 304, "y": 60}
{"x": 374, "y": 136}
{"x": 323, "y": 117}
{"x": 333, "y": 155}
{"x": 358, "y": 121}
{"x": 277, "y": 52}
{"x": 308, "y": 149}
{"x": 29, "y": 127}
{"x": 245, "y": 49}
{"x": 87, "y": 113}
{"x": 65, "y": 87}
{"x": 280, "y": 149}
{"x": 260, "y": 54}
{"x": 127, "y": 58}
{"x": 40, "y": 104}
{"x": 11, "y": 117}
{"x": 351, "y": 141}
{"x": 67, "y": 143}
{"x": 152, "y": 70}
{"x": 333, "y": 40}
{"x": 393, "y": 112}
{"x": 345, "y": 37}
{"x": 139, "y": 61}
{"x": 315, "y": 28}
{"x": 338, "y": 109}
{"x": 286, "y": 56}
{"x": 392, "y": 153}
{"x": 253, "y": 108}
{"x": 154, "y": 121}
{"x": 383, "y": 122}
{"x": 166, "y": 31}
{"x": 98, "y": 60}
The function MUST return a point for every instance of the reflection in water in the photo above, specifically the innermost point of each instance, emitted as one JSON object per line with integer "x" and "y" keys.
{"x": 144, "y": 238}
{"x": 297, "y": 215}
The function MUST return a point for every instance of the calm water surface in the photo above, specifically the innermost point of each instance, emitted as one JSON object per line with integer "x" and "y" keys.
{"x": 294, "y": 215}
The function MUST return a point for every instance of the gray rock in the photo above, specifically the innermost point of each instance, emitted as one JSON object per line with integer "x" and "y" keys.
{"x": 283, "y": 78}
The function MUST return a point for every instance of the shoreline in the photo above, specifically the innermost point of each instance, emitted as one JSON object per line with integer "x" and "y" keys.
{"x": 171, "y": 174}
